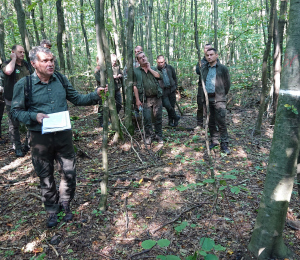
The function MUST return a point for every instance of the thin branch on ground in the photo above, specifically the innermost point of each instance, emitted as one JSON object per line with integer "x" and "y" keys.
{"x": 137, "y": 254}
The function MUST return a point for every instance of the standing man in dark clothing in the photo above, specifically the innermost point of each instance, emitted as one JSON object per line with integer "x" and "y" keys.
{"x": 14, "y": 69}
{"x": 49, "y": 94}
{"x": 2, "y": 102}
{"x": 201, "y": 111}
{"x": 217, "y": 84}
{"x": 148, "y": 95}
{"x": 169, "y": 86}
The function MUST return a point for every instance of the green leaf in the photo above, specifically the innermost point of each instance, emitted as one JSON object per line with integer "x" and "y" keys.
{"x": 232, "y": 177}
{"x": 207, "y": 243}
{"x": 172, "y": 257}
{"x": 192, "y": 257}
{"x": 94, "y": 211}
{"x": 163, "y": 242}
{"x": 203, "y": 253}
{"x": 148, "y": 244}
{"x": 223, "y": 182}
{"x": 161, "y": 257}
{"x": 181, "y": 226}
{"x": 219, "y": 248}
{"x": 181, "y": 188}
{"x": 193, "y": 225}
{"x": 211, "y": 257}
{"x": 223, "y": 188}
{"x": 70, "y": 251}
{"x": 235, "y": 190}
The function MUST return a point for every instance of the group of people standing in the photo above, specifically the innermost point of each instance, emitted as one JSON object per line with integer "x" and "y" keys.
{"x": 34, "y": 90}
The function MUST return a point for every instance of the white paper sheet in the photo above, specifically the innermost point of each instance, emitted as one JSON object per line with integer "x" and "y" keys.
{"x": 56, "y": 122}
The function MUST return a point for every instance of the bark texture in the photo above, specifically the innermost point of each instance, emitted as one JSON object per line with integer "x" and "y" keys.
{"x": 267, "y": 241}
{"x": 60, "y": 32}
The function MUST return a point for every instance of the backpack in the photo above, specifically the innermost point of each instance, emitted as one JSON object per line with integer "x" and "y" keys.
{"x": 28, "y": 88}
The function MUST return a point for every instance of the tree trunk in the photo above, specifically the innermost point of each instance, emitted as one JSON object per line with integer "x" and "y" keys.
{"x": 116, "y": 35}
{"x": 196, "y": 33}
{"x": 111, "y": 85}
{"x": 281, "y": 24}
{"x": 2, "y": 37}
{"x": 167, "y": 32}
{"x": 22, "y": 26}
{"x": 104, "y": 182}
{"x": 264, "y": 79}
{"x": 216, "y": 24}
{"x": 149, "y": 32}
{"x": 276, "y": 67}
{"x": 36, "y": 32}
{"x": 42, "y": 19}
{"x": 267, "y": 241}
{"x": 129, "y": 83}
{"x": 84, "y": 33}
{"x": 123, "y": 38}
{"x": 60, "y": 32}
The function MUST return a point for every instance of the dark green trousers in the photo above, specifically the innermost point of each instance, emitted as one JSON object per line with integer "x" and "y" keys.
{"x": 45, "y": 149}
{"x": 218, "y": 118}
{"x": 169, "y": 101}
{"x": 154, "y": 105}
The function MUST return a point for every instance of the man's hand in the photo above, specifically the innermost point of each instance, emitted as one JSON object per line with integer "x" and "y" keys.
{"x": 148, "y": 66}
{"x": 139, "y": 103}
{"x": 101, "y": 89}
{"x": 40, "y": 117}
{"x": 13, "y": 56}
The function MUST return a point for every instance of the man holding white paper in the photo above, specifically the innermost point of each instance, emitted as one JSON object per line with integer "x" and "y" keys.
{"x": 35, "y": 97}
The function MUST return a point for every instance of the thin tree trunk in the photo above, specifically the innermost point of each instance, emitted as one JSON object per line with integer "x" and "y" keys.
{"x": 123, "y": 38}
{"x": 216, "y": 24}
{"x": 22, "y": 26}
{"x": 141, "y": 24}
{"x": 2, "y": 37}
{"x": 276, "y": 66}
{"x": 264, "y": 88}
{"x": 84, "y": 33}
{"x": 267, "y": 240}
{"x": 196, "y": 33}
{"x": 40, "y": 3}
{"x": 129, "y": 88}
{"x": 281, "y": 24}
{"x": 104, "y": 182}
{"x": 36, "y": 32}
{"x": 167, "y": 32}
{"x": 116, "y": 35}
{"x": 149, "y": 32}
{"x": 60, "y": 32}
{"x": 111, "y": 86}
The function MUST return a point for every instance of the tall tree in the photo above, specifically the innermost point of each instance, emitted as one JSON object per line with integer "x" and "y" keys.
{"x": 276, "y": 66}
{"x": 167, "y": 31}
{"x": 266, "y": 240}
{"x": 22, "y": 26}
{"x": 264, "y": 79}
{"x": 115, "y": 31}
{"x": 40, "y": 3}
{"x": 129, "y": 88}
{"x": 216, "y": 24}
{"x": 60, "y": 31}
{"x": 2, "y": 36}
{"x": 84, "y": 33}
{"x": 149, "y": 31}
{"x": 123, "y": 38}
{"x": 281, "y": 24}
{"x": 32, "y": 14}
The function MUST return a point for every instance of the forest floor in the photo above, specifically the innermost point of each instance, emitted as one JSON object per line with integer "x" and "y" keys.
{"x": 168, "y": 198}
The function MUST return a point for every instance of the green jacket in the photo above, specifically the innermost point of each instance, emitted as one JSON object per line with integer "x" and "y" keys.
{"x": 139, "y": 83}
{"x": 46, "y": 98}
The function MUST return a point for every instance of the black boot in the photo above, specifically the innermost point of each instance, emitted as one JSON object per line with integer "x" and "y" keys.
{"x": 176, "y": 120}
{"x": 171, "y": 122}
{"x": 66, "y": 208}
{"x": 52, "y": 220}
{"x": 224, "y": 148}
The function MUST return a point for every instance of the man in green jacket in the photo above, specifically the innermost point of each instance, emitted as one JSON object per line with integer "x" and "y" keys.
{"x": 148, "y": 95}
{"x": 15, "y": 69}
{"x": 217, "y": 84}
{"x": 49, "y": 94}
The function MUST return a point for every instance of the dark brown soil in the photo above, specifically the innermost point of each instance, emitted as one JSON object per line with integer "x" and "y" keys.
{"x": 147, "y": 200}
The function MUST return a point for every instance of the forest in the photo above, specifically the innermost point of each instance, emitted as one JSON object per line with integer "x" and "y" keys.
{"x": 177, "y": 199}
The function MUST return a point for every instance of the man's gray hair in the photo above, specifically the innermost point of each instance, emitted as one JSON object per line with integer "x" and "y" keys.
{"x": 35, "y": 50}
